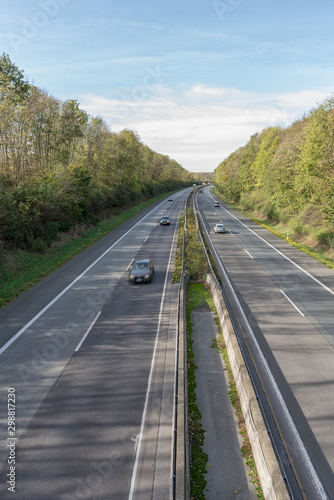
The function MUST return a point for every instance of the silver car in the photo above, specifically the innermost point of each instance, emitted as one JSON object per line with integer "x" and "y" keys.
{"x": 141, "y": 271}
{"x": 219, "y": 228}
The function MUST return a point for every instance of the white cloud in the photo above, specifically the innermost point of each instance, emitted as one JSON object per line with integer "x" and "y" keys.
{"x": 201, "y": 126}
{"x": 304, "y": 100}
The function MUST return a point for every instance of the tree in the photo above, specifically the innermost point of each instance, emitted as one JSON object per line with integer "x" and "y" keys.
{"x": 317, "y": 154}
{"x": 44, "y": 128}
{"x": 270, "y": 139}
{"x": 248, "y": 156}
{"x": 72, "y": 123}
{"x": 96, "y": 138}
{"x": 280, "y": 184}
{"x": 59, "y": 167}
{"x": 227, "y": 175}
{"x": 12, "y": 83}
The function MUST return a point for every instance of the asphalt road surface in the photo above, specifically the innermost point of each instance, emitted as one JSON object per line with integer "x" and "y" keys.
{"x": 87, "y": 367}
{"x": 287, "y": 301}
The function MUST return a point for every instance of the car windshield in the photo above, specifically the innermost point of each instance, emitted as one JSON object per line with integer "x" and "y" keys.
{"x": 140, "y": 265}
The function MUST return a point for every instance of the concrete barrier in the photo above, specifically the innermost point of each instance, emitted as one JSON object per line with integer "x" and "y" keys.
{"x": 272, "y": 482}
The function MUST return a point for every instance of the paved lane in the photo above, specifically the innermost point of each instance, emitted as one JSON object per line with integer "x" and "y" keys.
{"x": 81, "y": 405}
{"x": 287, "y": 298}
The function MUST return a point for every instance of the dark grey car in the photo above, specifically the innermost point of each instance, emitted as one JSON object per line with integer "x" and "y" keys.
{"x": 164, "y": 220}
{"x": 141, "y": 271}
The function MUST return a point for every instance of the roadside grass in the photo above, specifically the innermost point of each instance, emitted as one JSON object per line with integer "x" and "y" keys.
{"x": 20, "y": 269}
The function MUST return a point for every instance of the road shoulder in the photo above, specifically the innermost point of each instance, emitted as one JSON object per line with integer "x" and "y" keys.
{"x": 227, "y": 474}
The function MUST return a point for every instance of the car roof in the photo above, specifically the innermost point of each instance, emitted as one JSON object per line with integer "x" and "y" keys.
{"x": 164, "y": 217}
{"x": 220, "y": 225}
{"x": 142, "y": 261}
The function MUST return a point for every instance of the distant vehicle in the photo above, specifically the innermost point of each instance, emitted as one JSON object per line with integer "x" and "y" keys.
{"x": 141, "y": 271}
{"x": 200, "y": 191}
{"x": 164, "y": 221}
{"x": 216, "y": 204}
{"x": 219, "y": 228}
{"x": 170, "y": 199}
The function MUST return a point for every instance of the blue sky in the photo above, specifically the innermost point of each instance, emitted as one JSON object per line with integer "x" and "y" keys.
{"x": 195, "y": 79}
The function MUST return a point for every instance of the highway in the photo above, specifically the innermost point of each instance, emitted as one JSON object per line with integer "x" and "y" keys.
{"x": 87, "y": 364}
{"x": 284, "y": 301}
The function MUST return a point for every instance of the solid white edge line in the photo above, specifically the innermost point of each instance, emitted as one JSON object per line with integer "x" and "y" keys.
{"x": 299, "y": 442}
{"x": 89, "y": 329}
{"x": 145, "y": 240}
{"x": 35, "y": 318}
{"x": 139, "y": 440}
{"x": 283, "y": 255}
{"x": 294, "y": 305}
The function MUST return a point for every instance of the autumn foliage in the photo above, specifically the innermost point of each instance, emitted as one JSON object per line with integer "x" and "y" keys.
{"x": 287, "y": 174}
{"x": 60, "y": 167}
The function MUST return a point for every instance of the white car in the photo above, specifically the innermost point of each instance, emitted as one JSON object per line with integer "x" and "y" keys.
{"x": 219, "y": 228}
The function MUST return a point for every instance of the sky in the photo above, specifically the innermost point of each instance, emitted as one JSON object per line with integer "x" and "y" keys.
{"x": 193, "y": 78}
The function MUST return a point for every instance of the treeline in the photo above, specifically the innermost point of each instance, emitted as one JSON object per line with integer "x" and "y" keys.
{"x": 59, "y": 166}
{"x": 287, "y": 173}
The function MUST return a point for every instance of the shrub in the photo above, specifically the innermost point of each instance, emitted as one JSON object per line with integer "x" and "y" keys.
{"x": 325, "y": 236}
{"x": 195, "y": 259}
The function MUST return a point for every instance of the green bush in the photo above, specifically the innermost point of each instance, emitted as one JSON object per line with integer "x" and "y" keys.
{"x": 179, "y": 254}
{"x": 325, "y": 236}
{"x": 195, "y": 260}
